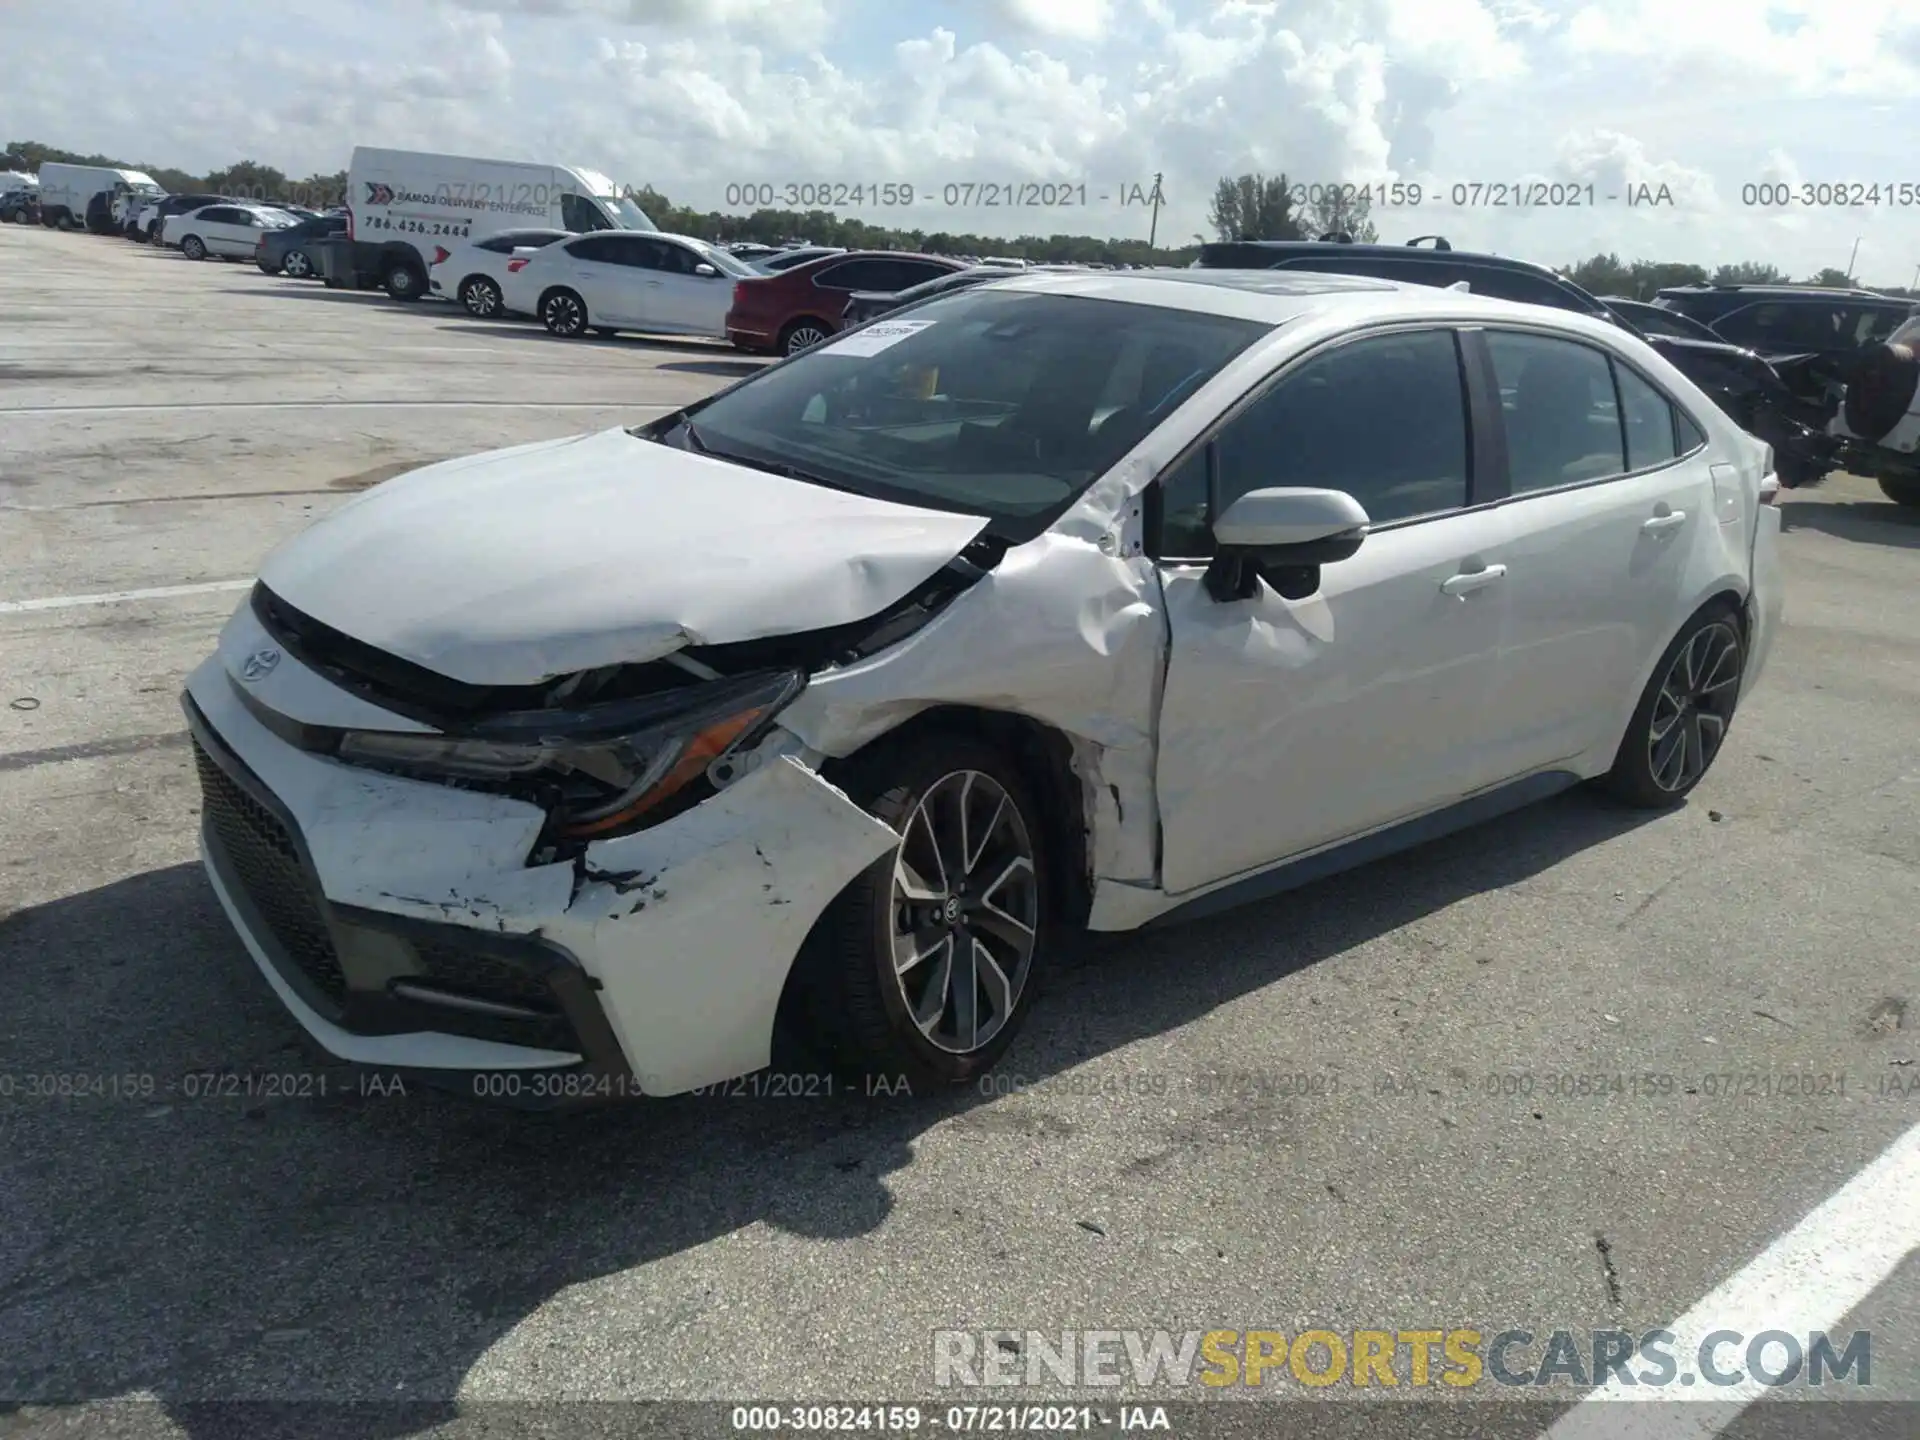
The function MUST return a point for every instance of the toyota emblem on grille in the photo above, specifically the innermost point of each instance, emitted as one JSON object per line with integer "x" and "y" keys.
{"x": 259, "y": 664}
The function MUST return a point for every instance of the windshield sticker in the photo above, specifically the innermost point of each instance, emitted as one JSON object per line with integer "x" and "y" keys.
{"x": 872, "y": 339}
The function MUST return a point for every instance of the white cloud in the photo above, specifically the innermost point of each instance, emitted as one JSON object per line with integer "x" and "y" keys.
{"x": 691, "y": 95}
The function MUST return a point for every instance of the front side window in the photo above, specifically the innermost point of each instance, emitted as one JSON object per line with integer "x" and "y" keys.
{"x": 582, "y": 216}
{"x": 1384, "y": 419}
{"x": 1557, "y": 401}
{"x": 986, "y": 402}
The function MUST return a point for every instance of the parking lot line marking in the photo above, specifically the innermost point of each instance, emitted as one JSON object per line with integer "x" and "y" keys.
{"x": 625, "y": 405}
{"x": 120, "y": 597}
{"x": 1808, "y": 1279}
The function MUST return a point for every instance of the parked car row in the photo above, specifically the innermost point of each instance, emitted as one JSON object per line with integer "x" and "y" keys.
{"x": 1808, "y": 370}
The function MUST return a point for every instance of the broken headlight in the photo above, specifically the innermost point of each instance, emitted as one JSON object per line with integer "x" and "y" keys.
{"x": 599, "y": 770}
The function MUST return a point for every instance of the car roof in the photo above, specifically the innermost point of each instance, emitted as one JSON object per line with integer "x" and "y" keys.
{"x": 1275, "y": 297}
{"x": 1786, "y": 292}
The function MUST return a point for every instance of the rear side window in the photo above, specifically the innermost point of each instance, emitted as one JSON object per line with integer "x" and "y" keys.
{"x": 1688, "y": 436}
{"x": 1558, "y": 403}
{"x": 605, "y": 248}
{"x": 1649, "y": 421}
{"x": 856, "y": 275}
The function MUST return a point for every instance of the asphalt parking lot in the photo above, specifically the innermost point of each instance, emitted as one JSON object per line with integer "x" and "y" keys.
{"x": 164, "y": 424}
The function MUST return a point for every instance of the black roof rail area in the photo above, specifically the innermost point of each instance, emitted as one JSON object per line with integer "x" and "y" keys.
{"x": 1439, "y": 241}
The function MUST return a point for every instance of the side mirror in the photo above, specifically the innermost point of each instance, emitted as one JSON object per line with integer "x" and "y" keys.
{"x": 705, "y": 270}
{"x": 1282, "y": 536}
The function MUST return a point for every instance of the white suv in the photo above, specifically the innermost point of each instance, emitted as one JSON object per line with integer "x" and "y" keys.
{"x": 835, "y": 699}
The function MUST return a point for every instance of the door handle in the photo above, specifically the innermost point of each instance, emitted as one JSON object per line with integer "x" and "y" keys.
{"x": 1468, "y": 581}
{"x": 1668, "y": 520}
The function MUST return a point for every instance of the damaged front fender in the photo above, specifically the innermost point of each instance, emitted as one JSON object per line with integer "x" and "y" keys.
{"x": 693, "y": 926}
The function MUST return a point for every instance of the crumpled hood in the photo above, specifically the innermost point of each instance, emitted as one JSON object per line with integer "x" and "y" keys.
{"x": 511, "y": 567}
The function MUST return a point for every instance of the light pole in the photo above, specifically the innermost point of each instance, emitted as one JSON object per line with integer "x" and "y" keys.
{"x": 1853, "y": 257}
{"x": 1153, "y": 226}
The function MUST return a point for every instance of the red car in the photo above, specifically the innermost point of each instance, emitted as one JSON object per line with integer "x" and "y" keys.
{"x": 797, "y": 308}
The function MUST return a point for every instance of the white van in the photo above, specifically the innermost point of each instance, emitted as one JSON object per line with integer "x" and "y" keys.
{"x": 409, "y": 204}
{"x": 68, "y": 194}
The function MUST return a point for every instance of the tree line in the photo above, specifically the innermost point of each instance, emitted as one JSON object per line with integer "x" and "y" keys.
{"x": 1244, "y": 207}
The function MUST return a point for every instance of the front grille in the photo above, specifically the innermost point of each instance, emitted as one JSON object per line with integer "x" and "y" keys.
{"x": 267, "y": 866}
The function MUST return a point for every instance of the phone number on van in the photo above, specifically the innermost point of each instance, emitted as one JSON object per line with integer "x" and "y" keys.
{"x": 456, "y": 229}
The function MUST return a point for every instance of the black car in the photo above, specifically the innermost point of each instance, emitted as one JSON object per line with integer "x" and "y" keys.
{"x": 20, "y": 207}
{"x": 1790, "y": 320}
{"x": 1651, "y": 319}
{"x": 291, "y": 251}
{"x": 865, "y": 305}
{"x": 1743, "y": 384}
{"x": 171, "y": 205}
{"x": 1829, "y": 347}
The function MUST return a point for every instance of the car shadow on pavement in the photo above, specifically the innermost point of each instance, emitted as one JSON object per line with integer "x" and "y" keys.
{"x": 532, "y": 330}
{"x": 1870, "y": 522}
{"x": 734, "y": 369}
{"x": 305, "y": 290}
{"x": 294, "y": 1235}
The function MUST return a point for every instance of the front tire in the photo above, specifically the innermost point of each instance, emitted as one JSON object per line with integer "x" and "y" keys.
{"x": 1902, "y": 492}
{"x": 564, "y": 314}
{"x": 1683, "y": 716}
{"x": 481, "y": 297}
{"x": 194, "y": 248}
{"x": 926, "y": 966}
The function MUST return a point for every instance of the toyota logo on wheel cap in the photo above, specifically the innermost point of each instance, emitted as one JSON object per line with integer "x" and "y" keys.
{"x": 259, "y": 664}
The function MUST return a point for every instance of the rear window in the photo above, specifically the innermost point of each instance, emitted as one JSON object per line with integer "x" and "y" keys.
{"x": 988, "y": 402}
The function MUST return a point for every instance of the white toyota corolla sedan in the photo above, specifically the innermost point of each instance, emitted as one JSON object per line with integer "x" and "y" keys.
{"x": 828, "y": 705}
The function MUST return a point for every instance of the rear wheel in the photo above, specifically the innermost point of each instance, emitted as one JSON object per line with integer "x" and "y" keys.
{"x": 1683, "y": 715}
{"x": 803, "y": 335}
{"x": 1902, "y": 492}
{"x": 194, "y": 248}
{"x": 64, "y": 221}
{"x": 564, "y": 314}
{"x": 927, "y": 964}
{"x": 296, "y": 265}
{"x": 481, "y": 297}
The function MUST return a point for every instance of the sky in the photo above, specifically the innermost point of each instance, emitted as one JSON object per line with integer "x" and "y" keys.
{"x": 1707, "y": 98}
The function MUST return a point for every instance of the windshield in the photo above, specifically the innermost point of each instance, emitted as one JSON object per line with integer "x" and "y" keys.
{"x": 629, "y": 215}
{"x": 990, "y": 402}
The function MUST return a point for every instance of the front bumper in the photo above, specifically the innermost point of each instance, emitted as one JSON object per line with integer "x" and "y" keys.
{"x": 402, "y": 925}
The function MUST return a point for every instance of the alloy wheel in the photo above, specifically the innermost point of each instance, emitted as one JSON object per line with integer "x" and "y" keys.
{"x": 805, "y": 338}
{"x": 1696, "y": 700}
{"x": 482, "y": 299}
{"x": 564, "y": 315}
{"x": 965, "y": 909}
{"x": 296, "y": 265}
